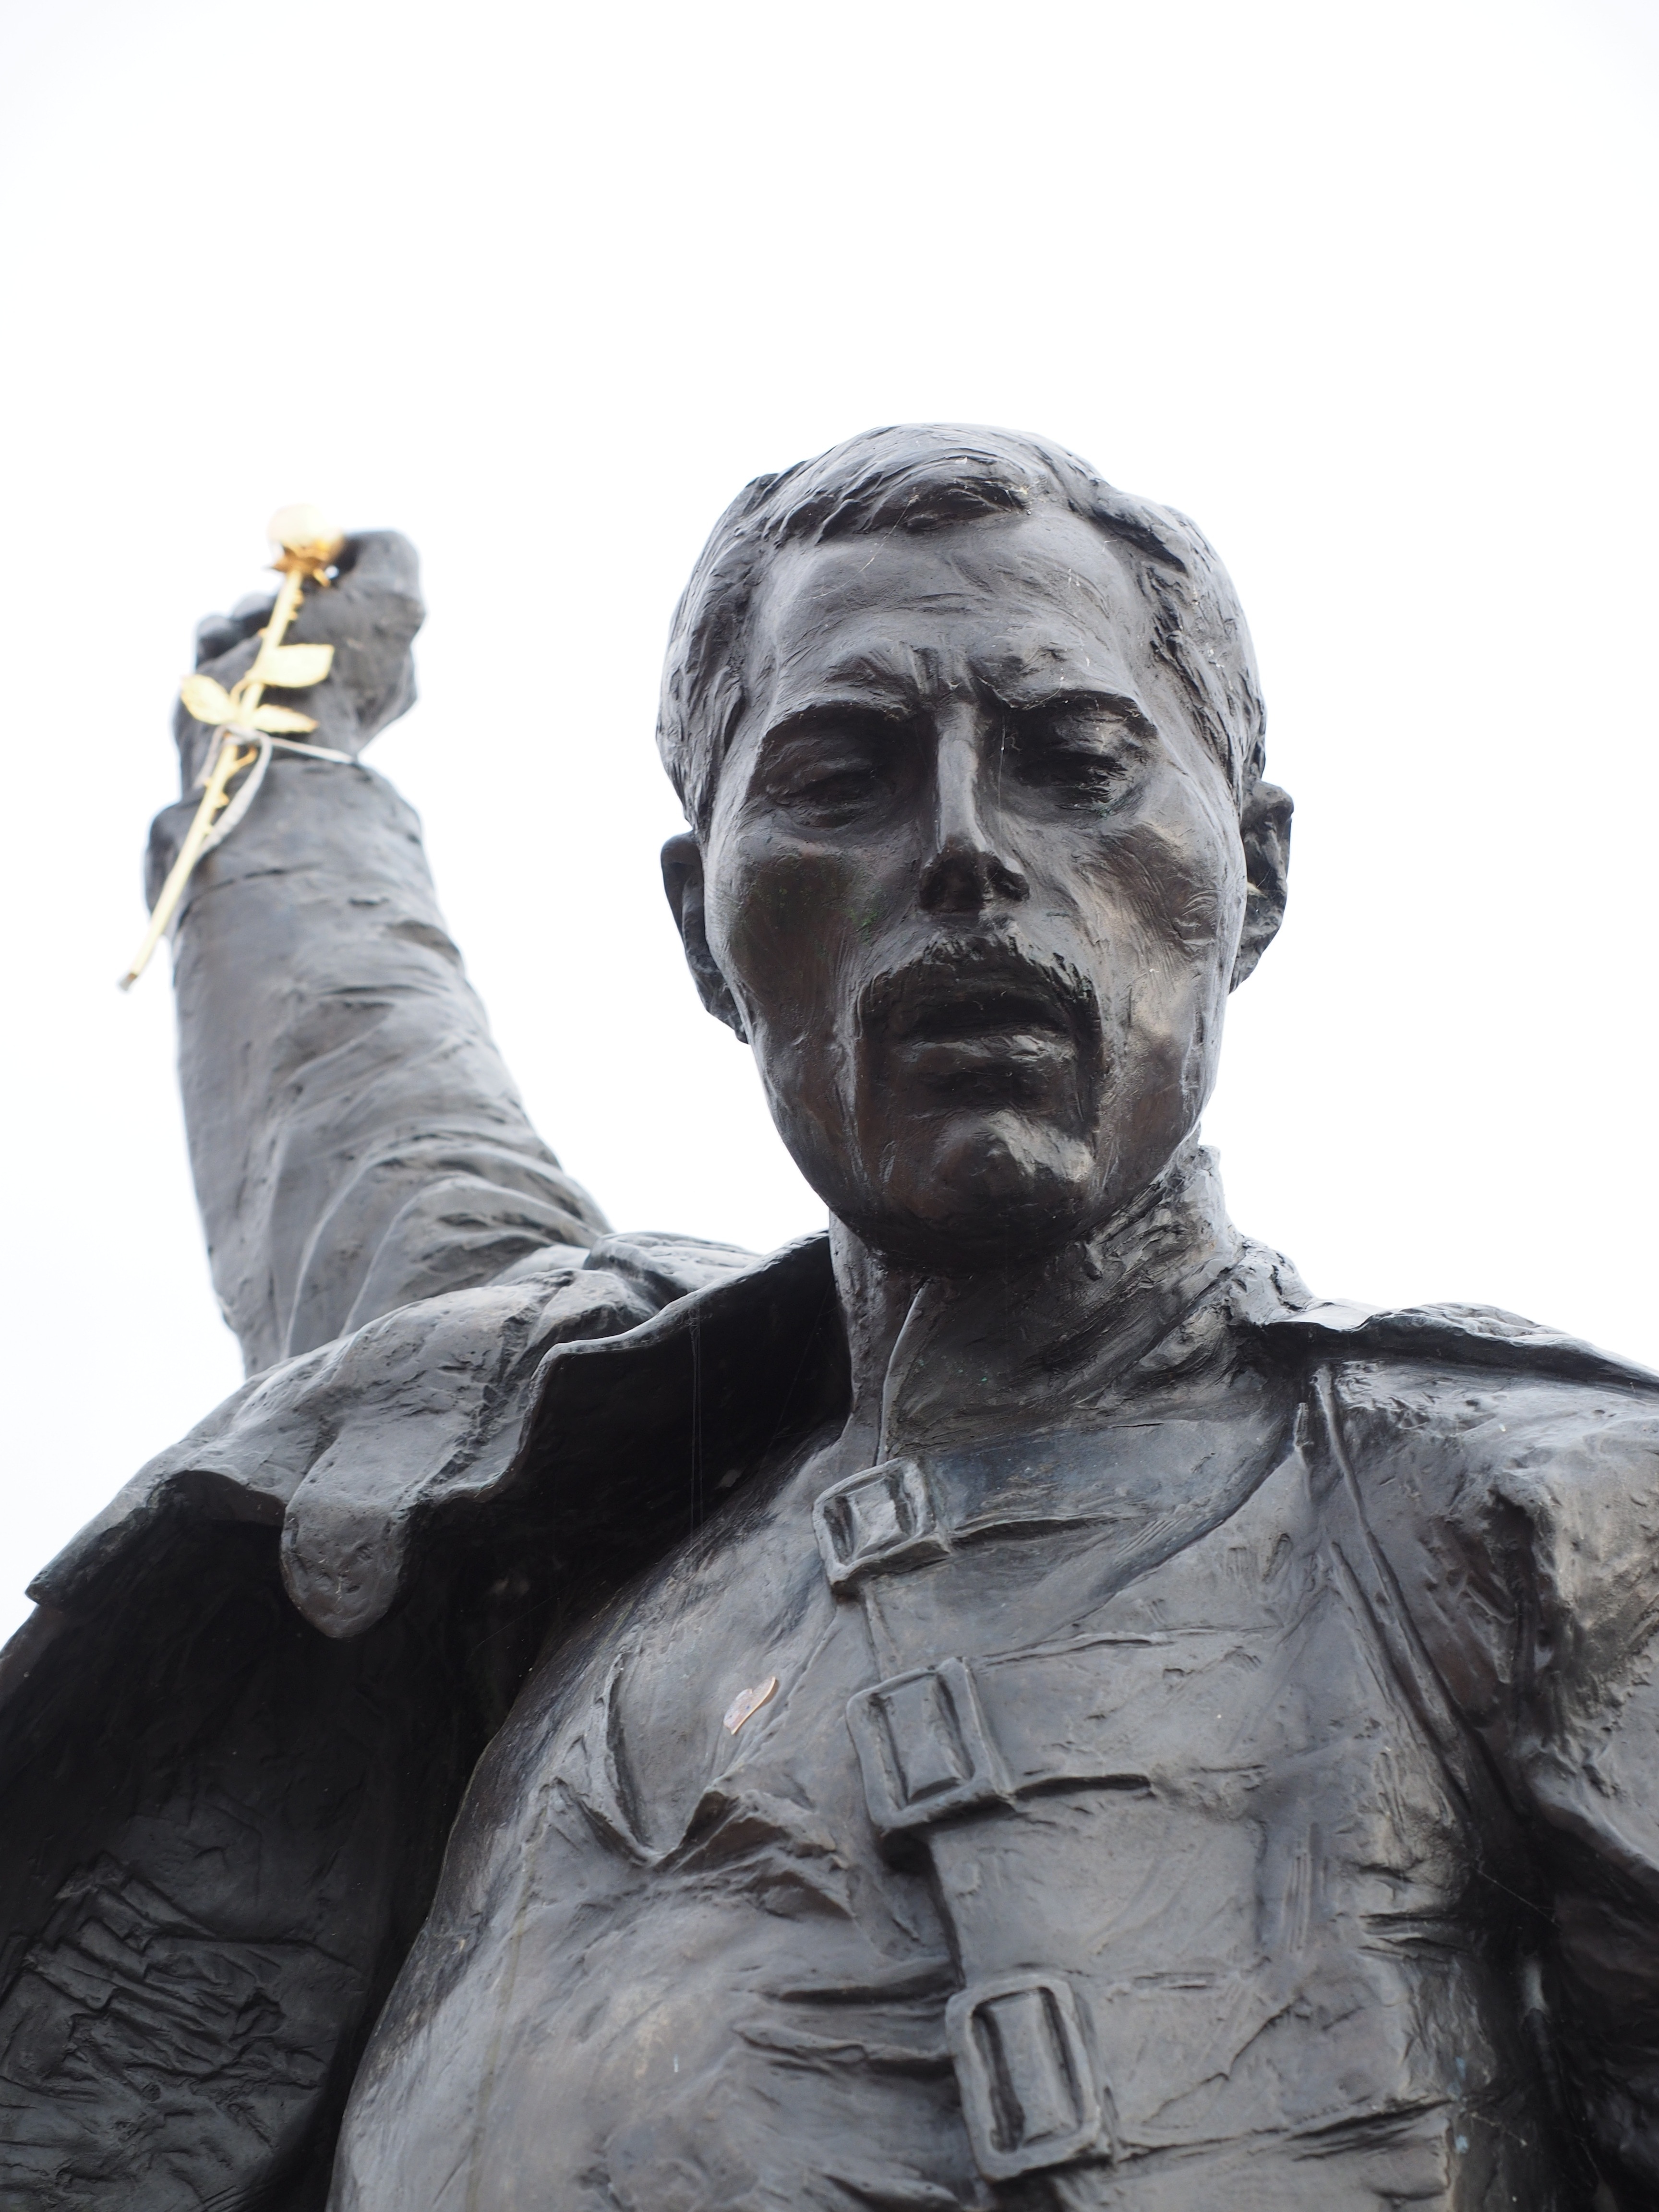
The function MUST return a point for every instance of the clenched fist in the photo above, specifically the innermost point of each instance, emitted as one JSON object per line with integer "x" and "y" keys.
{"x": 369, "y": 615}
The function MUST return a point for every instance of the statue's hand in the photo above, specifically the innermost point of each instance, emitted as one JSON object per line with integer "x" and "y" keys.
{"x": 369, "y": 615}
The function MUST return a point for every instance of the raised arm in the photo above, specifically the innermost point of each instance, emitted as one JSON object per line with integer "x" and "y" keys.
{"x": 355, "y": 1138}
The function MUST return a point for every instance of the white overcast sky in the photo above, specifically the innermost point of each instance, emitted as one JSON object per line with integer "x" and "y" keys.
{"x": 1367, "y": 290}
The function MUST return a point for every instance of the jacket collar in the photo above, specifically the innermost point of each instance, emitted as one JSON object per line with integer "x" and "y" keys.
{"x": 565, "y": 1413}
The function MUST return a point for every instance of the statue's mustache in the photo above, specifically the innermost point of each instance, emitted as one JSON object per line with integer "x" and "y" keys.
{"x": 966, "y": 982}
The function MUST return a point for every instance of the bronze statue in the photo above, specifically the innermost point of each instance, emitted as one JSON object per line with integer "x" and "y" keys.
{"x": 1016, "y": 1702}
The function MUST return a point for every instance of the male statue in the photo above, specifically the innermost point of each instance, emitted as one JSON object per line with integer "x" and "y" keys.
{"x": 1015, "y": 1704}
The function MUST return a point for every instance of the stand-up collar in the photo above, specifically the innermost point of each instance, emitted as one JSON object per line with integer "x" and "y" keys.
{"x": 1029, "y": 1345}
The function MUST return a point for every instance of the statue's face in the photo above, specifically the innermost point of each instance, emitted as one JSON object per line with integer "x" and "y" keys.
{"x": 975, "y": 883}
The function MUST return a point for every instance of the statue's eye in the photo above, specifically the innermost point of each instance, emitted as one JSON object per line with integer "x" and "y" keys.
{"x": 1080, "y": 756}
{"x": 830, "y": 766}
{"x": 835, "y": 780}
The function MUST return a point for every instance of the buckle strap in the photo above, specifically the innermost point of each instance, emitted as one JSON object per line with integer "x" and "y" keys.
{"x": 877, "y": 1522}
{"x": 924, "y": 1748}
{"x": 1153, "y": 1493}
{"x": 1023, "y": 2068}
{"x": 1122, "y": 1713}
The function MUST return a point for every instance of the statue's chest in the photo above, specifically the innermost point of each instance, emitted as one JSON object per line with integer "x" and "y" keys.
{"x": 755, "y": 1665}
{"x": 973, "y": 1817}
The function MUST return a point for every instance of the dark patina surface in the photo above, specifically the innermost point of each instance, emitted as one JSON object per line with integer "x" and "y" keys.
{"x": 1013, "y": 1703}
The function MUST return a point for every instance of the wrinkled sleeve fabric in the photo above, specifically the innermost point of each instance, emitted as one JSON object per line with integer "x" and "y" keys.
{"x": 355, "y": 1138}
{"x": 1523, "y": 1522}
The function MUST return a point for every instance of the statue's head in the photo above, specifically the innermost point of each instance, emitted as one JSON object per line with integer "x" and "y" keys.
{"x": 971, "y": 747}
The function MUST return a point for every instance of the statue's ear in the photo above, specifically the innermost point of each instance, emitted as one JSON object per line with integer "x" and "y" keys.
{"x": 682, "y": 879}
{"x": 1265, "y": 826}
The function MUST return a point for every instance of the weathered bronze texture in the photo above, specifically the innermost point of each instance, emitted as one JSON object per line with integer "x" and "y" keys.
{"x": 1015, "y": 1703}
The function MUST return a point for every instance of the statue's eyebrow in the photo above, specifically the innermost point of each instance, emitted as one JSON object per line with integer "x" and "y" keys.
{"x": 1087, "y": 698}
{"x": 862, "y": 686}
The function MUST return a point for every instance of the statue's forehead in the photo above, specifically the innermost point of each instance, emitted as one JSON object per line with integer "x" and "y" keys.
{"x": 1041, "y": 597}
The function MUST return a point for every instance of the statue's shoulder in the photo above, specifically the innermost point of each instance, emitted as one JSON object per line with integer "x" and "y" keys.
{"x": 1461, "y": 1338}
{"x": 1481, "y": 1390}
{"x": 578, "y": 1369}
{"x": 1502, "y": 1466}
{"x": 1417, "y": 1355}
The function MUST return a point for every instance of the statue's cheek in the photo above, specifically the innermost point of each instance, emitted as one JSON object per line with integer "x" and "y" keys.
{"x": 798, "y": 915}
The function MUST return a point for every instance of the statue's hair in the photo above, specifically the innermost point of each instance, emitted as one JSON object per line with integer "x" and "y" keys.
{"x": 918, "y": 477}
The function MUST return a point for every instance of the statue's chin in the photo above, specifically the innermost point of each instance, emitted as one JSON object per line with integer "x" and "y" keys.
{"x": 982, "y": 1190}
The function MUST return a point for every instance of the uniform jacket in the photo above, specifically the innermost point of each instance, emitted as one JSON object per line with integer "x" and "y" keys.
{"x": 235, "y": 1732}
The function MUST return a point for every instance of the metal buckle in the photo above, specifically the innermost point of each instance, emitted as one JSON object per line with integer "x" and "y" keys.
{"x": 924, "y": 1748}
{"x": 1028, "y": 2092}
{"x": 882, "y": 1518}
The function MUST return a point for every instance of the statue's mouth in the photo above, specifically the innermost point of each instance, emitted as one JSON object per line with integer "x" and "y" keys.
{"x": 973, "y": 1020}
{"x": 979, "y": 1006}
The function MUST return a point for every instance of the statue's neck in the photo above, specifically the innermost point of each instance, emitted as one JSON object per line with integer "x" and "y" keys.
{"x": 944, "y": 1358}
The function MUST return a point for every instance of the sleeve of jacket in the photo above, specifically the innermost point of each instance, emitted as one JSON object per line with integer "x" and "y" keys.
{"x": 355, "y": 1138}
{"x": 1522, "y": 1517}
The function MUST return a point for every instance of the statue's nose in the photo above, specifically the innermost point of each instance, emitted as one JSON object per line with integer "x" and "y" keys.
{"x": 966, "y": 871}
